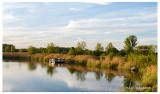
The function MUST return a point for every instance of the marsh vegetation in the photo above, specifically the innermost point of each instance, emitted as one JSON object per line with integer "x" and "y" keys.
{"x": 111, "y": 60}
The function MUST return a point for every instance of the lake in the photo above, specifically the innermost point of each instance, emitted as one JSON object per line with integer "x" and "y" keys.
{"x": 24, "y": 76}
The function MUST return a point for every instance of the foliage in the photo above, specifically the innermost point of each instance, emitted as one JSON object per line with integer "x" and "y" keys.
{"x": 32, "y": 50}
{"x": 146, "y": 49}
{"x": 8, "y": 48}
{"x": 130, "y": 43}
{"x": 79, "y": 50}
{"x": 121, "y": 53}
{"x": 143, "y": 60}
{"x": 51, "y": 48}
{"x": 22, "y": 50}
{"x": 72, "y": 51}
{"x": 82, "y": 45}
{"x": 111, "y": 49}
{"x": 111, "y": 54}
{"x": 149, "y": 77}
{"x": 88, "y": 52}
{"x": 98, "y": 49}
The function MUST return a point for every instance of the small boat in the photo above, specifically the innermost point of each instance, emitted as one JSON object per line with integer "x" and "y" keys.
{"x": 56, "y": 60}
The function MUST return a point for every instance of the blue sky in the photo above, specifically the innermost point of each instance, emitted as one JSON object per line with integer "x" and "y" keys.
{"x": 66, "y": 23}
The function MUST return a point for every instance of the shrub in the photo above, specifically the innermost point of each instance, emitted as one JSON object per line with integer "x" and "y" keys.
{"x": 111, "y": 54}
{"x": 143, "y": 61}
{"x": 149, "y": 77}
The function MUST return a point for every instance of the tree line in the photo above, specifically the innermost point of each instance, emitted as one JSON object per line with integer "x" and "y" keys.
{"x": 130, "y": 46}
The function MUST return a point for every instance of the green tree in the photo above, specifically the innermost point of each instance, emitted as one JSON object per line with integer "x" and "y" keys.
{"x": 87, "y": 52}
{"x": 110, "y": 48}
{"x": 72, "y": 51}
{"x": 32, "y": 50}
{"x": 146, "y": 49}
{"x": 98, "y": 49}
{"x": 42, "y": 50}
{"x": 51, "y": 48}
{"x": 4, "y": 47}
{"x": 12, "y": 48}
{"x": 81, "y": 46}
{"x": 130, "y": 43}
{"x": 23, "y": 50}
{"x": 122, "y": 52}
{"x": 7, "y": 49}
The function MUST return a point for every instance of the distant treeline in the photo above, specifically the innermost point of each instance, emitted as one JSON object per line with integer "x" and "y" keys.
{"x": 11, "y": 48}
{"x": 111, "y": 51}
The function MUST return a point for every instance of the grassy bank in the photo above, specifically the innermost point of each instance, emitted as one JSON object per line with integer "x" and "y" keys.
{"x": 139, "y": 61}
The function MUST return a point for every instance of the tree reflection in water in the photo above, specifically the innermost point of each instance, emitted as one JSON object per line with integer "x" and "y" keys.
{"x": 109, "y": 77}
{"x": 71, "y": 70}
{"x": 43, "y": 65}
{"x": 128, "y": 83}
{"x": 79, "y": 74}
{"x": 51, "y": 70}
{"x": 98, "y": 75}
{"x": 32, "y": 66}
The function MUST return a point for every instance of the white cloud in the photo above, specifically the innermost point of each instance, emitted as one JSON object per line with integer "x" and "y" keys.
{"x": 73, "y": 9}
{"x": 31, "y": 11}
{"x": 23, "y": 36}
{"x": 9, "y": 17}
{"x": 17, "y": 5}
{"x": 99, "y": 2}
{"x": 76, "y": 9}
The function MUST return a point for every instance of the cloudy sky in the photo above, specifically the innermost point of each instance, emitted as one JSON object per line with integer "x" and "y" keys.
{"x": 65, "y": 24}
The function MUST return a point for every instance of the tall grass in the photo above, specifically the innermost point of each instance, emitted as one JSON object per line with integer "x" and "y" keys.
{"x": 128, "y": 65}
{"x": 149, "y": 77}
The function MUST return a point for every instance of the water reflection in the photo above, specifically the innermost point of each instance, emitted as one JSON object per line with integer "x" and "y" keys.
{"x": 42, "y": 77}
{"x": 98, "y": 75}
{"x": 79, "y": 74}
{"x": 51, "y": 70}
{"x": 129, "y": 83}
{"x": 71, "y": 70}
{"x": 32, "y": 66}
{"x": 109, "y": 77}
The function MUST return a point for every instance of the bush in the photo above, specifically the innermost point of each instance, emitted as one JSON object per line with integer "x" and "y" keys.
{"x": 143, "y": 61}
{"x": 111, "y": 54}
{"x": 149, "y": 77}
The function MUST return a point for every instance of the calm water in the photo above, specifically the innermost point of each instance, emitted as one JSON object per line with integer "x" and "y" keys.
{"x": 37, "y": 77}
